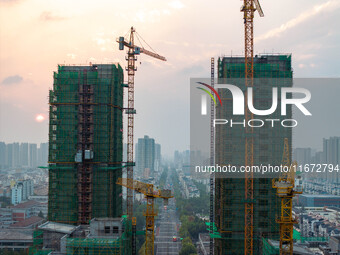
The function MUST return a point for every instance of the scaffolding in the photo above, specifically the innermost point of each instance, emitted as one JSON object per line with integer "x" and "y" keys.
{"x": 268, "y": 249}
{"x": 103, "y": 246}
{"x": 80, "y": 241}
{"x": 269, "y": 71}
{"x": 85, "y": 143}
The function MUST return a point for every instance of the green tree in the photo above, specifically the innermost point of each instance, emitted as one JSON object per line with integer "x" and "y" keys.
{"x": 41, "y": 215}
{"x": 187, "y": 247}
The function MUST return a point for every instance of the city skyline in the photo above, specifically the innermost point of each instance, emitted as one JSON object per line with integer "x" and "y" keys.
{"x": 185, "y": 42}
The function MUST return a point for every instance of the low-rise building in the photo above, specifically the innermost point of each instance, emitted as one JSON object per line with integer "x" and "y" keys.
{"x": 27, "y": 224}
{"x": 102, "y": 236}
{"x": 24, "y": 210}
{"x": 309, "y": 200}
{"x": 5, "y": 217}
{"x": 334, "y": 244}
{"x": 15, "y": 240}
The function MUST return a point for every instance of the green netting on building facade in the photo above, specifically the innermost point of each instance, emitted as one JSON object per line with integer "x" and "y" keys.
{"x": 269, "y": 71}
{"x": 268, "y": 249}
{"x": 106, "y": 136}
{"x": 104, "y": 246}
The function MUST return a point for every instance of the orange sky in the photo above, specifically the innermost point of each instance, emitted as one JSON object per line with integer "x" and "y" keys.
{"x": 36, "y": 35}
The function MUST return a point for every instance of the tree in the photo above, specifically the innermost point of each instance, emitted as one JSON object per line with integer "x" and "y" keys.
{"x": 41, "y": 215}
{"x": 187, "y": 247}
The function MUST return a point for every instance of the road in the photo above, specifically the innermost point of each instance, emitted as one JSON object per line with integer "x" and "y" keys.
{"x": 167, "y": 227}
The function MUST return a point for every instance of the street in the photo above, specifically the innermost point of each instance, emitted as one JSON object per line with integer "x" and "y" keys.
{"x": 167, "y": 240}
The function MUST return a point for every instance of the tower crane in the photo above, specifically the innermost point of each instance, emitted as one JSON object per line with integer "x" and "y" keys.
{"x": 150, "y": 194}
{"x": 133, "y": 51}
{"x": 248, "y": 9}
{"x": 286, "y": 190}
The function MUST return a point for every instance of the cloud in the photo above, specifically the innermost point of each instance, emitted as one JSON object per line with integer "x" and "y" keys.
{"x": 9, "y": 1}
{"x": 176, "y": 4}
{"x": 329, "y": 6}
{"x": 49, "y": 16}
{"x": 11, "y": 80}
{"x": 71, "y": 55}
{"x": 151, "y": 16}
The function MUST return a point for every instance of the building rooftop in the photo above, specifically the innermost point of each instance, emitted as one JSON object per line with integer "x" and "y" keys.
{"x": 297, "y": 249}
{"x": 320, "y": 195}
{"x": 107, "y": 219}
{"x": 336, "y": 237}
{"x": 27, "y": 222}
{"x": 14, "y": 235}
{"x": 27, "y": 204}
{"x": 57, "y": 227}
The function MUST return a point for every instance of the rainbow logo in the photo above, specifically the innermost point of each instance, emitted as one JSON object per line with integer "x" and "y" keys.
{"x": 204, "y": 98}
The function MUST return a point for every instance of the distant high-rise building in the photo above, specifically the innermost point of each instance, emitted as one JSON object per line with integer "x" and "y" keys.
{"x": 16, "y": 155}
{"x": 22, "y": 190}
{"x": 158, "y": 157}
{"x": 268, "y": 144}
{"x": 145, "y": 155}
{"x": 27, "y": 188}
{"x": 85, "y": 143}
{"x": 43, "y": 154}
{"x": 9, "y": 155}
{"x": 33, "y": 150}
{"x": 24, "y": 155}
{"x": 125, "y": 152}
{"x": 302, "y": 155}
{"x": 13, "y": 155}
{"x": 16, "y": 194}
{"x": 3, "y": 159}
{"x": 331, "y": 155}
{"x": 177, "y": 159}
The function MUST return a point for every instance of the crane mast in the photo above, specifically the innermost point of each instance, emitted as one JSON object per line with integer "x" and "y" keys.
{"x": 130, "y": 120}
{"x": 133, "y": 50}
{"x": 286, "y": 190}
{"x": 212, "y": 156}
{"x": 248, "y": 10}
{"x": 248, "y": 16}
{"x": 150, "y": 193}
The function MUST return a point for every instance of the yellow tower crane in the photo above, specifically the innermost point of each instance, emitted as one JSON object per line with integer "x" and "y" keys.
{"x": 286, "y": 190}
{"x": 248, "y": 9}
{"x": 133, "y": 52}
{"x": 150, "y": 194}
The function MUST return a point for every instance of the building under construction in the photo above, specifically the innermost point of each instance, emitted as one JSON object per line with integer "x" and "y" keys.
{"x": 268, "y": 143}
{"x": 106, "y": 236}
{"x": 85, "y": 143}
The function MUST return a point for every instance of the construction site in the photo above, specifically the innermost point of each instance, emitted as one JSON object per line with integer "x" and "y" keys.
{"x": 85, "y": 149}
{"x": 85, "y": 214}
{"x": 230, "y": 149}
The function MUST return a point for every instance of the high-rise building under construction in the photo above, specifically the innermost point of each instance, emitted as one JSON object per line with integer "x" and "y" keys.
{"x": 268, "y": 143}
{"x": 85, "y": 143}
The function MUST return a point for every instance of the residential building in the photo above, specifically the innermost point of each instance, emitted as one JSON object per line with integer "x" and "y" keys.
{"x": 16, "y": 194}
{"x": 145, "y": 155}
{"x": 85, "y": 143}
{"x": 33, "y": 150}
{"x": 331, "y": 155}
{"x": 309, "y": 200}
{"x": 43, "y": 154}
{"x": 24, "y": 155}
{"x": 268, "y": 144}
{"x": 3, "y": 159}
{"x": 24, "y": 210}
